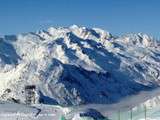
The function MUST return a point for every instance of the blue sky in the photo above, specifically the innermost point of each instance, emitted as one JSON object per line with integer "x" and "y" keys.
{"x": 117, "y": 16}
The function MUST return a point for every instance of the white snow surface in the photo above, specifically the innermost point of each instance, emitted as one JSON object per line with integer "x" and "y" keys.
{"x": 78, "y": 65}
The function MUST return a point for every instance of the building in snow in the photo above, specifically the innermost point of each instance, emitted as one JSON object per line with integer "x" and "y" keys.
{"x": 30, "y": 94}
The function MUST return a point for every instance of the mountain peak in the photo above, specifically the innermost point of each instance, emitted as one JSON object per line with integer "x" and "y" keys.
{"x": 77, "y": 65}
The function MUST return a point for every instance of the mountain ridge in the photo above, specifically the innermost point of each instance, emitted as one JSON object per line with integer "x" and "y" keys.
{"x": 78, "y": 65}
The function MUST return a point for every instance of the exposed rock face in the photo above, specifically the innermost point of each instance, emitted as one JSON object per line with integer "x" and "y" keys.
{"x": 78, "y": 65}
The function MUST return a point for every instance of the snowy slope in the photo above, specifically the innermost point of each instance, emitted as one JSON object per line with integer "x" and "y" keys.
{"x": 10, "y": 111}
{"x": 78, "y": 65}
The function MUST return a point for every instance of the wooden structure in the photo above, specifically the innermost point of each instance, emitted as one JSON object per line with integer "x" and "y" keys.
{"x": 30, "y": 92}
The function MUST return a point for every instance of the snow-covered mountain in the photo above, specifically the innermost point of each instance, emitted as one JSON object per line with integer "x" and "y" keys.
{"x": 78, "y": 65}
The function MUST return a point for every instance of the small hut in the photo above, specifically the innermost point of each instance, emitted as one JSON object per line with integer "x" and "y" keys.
{"x": 30, "y": 93}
